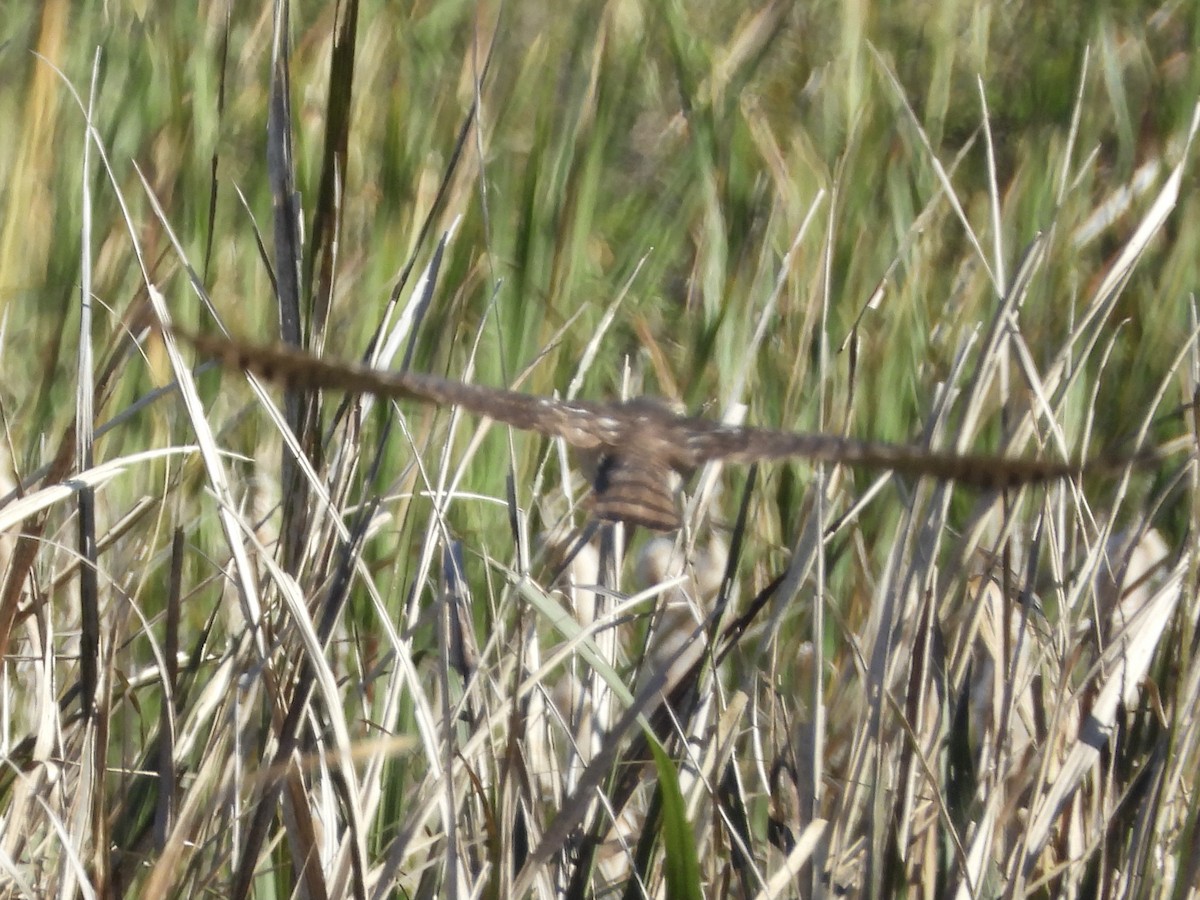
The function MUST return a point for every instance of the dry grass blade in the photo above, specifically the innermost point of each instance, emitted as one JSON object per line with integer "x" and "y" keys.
{"x": 1137, "y": 624}
{"x": 92, "y": 479}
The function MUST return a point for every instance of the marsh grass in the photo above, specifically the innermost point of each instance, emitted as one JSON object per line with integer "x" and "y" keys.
{"x": 283, "y": 645}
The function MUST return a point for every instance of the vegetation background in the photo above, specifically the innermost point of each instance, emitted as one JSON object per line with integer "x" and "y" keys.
{"x": 969, "y": 223}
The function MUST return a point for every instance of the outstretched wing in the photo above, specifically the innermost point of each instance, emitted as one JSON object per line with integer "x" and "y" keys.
{"x": 697, "y": 441}
{"x": 585, "y": 425}
{"x": 641, "y": 440}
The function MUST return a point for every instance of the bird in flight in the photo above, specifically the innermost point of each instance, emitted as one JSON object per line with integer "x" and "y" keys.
{"x": 639, "y": 442}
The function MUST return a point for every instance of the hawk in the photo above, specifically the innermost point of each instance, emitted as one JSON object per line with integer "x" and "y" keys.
{"x": 638, "y": 442}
